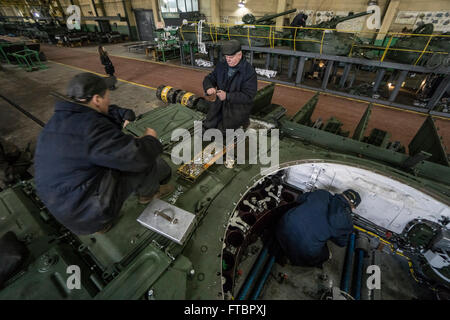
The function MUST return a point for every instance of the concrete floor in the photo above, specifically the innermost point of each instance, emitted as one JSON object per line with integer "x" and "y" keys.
{"x": 31, "y": 91}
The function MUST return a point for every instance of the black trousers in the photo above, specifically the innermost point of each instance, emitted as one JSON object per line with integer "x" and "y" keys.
{"x": 145, "y": 184}
{"x": 142, "y": 184}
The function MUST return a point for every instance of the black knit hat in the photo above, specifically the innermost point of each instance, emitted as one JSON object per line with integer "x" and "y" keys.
{"x": 229, "y": 48}
{"x": 84, "y": 86}
{"x": 353, "y": 197}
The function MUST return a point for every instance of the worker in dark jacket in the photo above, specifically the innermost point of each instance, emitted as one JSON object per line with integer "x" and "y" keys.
{"x": 86, "y": 167}
{"x": 298, "y": 21}
{"x": 303, "y": 231}
{"x": 234, "y": 83}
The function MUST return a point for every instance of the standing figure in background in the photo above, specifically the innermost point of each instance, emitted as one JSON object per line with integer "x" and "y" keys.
{"x": 109, "y": 67}
{"x": 298, "y": 21}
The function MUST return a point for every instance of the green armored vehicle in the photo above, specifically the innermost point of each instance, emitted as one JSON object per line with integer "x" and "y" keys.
{"x": 254, "y": 32}
{"x": 328, "y": 42}
{"x": 431, "y": 53}
{"x": 202, "y": 241}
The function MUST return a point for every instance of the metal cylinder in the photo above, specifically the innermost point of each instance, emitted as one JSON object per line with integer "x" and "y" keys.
{"x": 187, "y": 99}
{"x": 167, "y": 94}
{"x": 263, "y": 279}
{"x": 356, "y": 292}
{"x": 255, "y": 270}
{"x": 346, "y": 273}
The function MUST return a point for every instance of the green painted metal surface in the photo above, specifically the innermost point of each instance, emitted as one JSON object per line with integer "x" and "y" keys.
{"x": 133, "y": 262}
{"x": 164, "y": 121}
{"x": 362, "y": 125}
{"x": 427, "y": 139}
{"x": 303, "y": 116}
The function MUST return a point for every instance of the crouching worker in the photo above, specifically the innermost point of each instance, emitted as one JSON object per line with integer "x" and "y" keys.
{"x": 86, "y": 167}
{"x": 303, "y": 231}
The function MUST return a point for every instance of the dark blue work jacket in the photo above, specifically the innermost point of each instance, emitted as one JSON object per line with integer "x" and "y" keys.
{"x": 320, "y": 216}
{"x": 241, "y": 89}
{"x": 79, "y": 155}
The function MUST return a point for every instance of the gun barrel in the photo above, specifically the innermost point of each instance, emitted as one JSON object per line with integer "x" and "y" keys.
{"x": 353, "y": 16}
{"x": 273, "y": 16}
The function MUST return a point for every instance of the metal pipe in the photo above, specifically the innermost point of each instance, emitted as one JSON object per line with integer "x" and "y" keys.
{"x": 25, "y": 112}
{"x": 345, "y": 283}
{"x": 443, "y": 87}
{"x": 398, "y": 85}
{"x": 264, "y": 277}
{"x": 344, "y": 76}
{"x": 267, "y": 65}
{"x": 300, "y": 68}
{"x": 326, "y": 77}
{"x": 255, "y": 270}
{"x": 292, "y": 61}
{"x": 359, "y": 273}
{"x": 379, "y": 78}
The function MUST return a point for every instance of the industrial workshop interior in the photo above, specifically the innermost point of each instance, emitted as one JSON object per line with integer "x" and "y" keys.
{"x": 264, "y": 150}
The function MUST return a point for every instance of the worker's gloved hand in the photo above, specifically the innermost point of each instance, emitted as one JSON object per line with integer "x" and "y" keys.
{"x": 211, "y": 91}
{"x": 222, "y": 95}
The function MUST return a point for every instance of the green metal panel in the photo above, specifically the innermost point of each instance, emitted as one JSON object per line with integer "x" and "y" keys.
{"x": 303, "y": 116}
{"x": 427, "y": 139}
{"x": 45, "y": 278}
{"x": 178, "y": 273}
{"x": 164, "y": 121}
{"x": 263, "y": 98}
{"x": 362, "y": 125}
{"x": 19, "y": 214}
{"x": 341, "y": 144}
{"x": 134, "y": 281}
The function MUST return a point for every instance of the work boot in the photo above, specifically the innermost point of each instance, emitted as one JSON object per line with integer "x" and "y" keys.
{"x": 164, "y": 190}
{"x": 106, "y": 229}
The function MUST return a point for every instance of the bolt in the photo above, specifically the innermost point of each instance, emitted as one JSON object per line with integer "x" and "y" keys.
{"x": 150, "y": 292}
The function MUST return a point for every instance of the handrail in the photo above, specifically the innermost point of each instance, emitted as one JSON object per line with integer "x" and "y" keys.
{"x": 272, "y": 38}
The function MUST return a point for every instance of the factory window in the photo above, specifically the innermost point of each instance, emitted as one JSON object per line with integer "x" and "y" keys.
{"x": 179, "y": 5}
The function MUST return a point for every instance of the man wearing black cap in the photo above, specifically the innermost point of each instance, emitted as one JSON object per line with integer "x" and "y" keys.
{"x": 234, "y": 83}
{"x": 303, "y": 231}
{"x": 86, "y": 167}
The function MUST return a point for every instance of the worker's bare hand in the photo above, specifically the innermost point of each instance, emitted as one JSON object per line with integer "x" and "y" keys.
{"x": 211, "y": 91}
{"x": 150, "y": 132}
{"x": 222, "y": 95}
{"x": 125, "y": 123}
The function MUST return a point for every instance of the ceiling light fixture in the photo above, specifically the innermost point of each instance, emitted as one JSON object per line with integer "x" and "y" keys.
{"x": 241, "y": 4}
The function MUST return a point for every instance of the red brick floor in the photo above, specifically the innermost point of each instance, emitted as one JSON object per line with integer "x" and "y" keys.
{"x": 402, "y": 125}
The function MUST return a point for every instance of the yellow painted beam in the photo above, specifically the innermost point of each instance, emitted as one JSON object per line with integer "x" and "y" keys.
{"x": 281, "y": 6}
{"x": 215, "y": 11}
{"x": 388, "y": 19}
